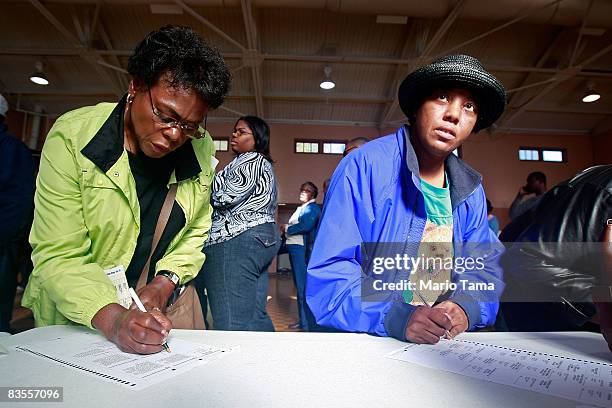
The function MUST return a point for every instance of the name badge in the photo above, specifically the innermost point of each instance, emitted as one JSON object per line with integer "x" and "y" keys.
{"x": 117, "y": 277}
{"x": 213, "y": 162}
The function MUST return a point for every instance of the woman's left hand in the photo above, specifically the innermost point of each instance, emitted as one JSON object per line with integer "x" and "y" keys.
{"x": 156, "y": 294}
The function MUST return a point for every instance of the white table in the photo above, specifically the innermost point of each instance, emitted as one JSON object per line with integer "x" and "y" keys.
{"x": 299, "y": 370}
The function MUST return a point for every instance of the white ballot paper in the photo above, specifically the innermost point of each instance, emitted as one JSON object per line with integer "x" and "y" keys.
{"x": 91, "y": 353}
{"x": 580, "y": 380}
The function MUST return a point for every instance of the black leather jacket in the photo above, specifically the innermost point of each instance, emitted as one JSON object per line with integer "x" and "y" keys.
{"x": 557, "y": 256}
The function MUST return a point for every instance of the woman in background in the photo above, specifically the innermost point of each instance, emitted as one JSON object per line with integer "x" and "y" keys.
{"x": 243, "y": 238}
{"x": 300, "y": 233}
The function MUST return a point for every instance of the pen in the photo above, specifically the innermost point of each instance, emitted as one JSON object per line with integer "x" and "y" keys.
{"x": 422, "y": 299}
{"x": 141, "y": 307}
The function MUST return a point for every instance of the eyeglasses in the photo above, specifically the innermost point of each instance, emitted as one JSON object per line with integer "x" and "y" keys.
{"x": 241, "y": 132}
{"x": 188, "y": 129}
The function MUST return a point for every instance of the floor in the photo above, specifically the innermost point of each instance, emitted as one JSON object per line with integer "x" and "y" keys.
{"x": 282, "y": 305}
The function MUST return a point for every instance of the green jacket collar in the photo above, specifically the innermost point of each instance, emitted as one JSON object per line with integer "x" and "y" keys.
{"x": 106, "y": 147}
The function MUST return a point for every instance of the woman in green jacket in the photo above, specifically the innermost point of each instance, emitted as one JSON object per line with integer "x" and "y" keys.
{"x": 105, "y": 171}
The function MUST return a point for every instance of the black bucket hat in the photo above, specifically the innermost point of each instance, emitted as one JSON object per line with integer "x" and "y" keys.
{"x": 455, "y": 71}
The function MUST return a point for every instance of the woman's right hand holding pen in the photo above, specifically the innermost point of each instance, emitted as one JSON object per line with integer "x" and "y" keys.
{"x": 131, "y": 330}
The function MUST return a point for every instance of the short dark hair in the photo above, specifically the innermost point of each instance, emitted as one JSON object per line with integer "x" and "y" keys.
{"x": 538, "y": 176}
{"x": 489, "y": 206}
{"x": 311, "y": 187}
{"x": 189, "y": 62}
{"x": 261, "y": 134}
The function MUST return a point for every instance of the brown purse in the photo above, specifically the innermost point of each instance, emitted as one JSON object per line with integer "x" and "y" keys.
{"x": 186, "y": 311}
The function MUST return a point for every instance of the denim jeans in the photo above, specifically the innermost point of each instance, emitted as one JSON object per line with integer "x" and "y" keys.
{"x": 297, "y": 258}
{"x": 235, "y": 275}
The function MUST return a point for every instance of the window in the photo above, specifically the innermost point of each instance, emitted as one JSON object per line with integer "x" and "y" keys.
{"x": 306, "y": 146}
{"x": 545, "y": 154}
{"x": 333, "y": 147}
{"x": 529, "y": 155}
{"x": 553, "y": 155}
{"x": 221, "y": 145}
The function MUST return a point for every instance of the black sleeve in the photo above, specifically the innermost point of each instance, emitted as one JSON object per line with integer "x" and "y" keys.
{"x": 16, "y": 187}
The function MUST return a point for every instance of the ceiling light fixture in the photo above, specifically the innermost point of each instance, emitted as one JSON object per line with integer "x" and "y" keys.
{"x": 39, "y": 77}
{"x": 590, "y": 95}
{"x": 327, "y": 82}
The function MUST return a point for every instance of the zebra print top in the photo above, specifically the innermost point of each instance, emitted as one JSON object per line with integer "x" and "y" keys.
{"x": 244, "y": 194}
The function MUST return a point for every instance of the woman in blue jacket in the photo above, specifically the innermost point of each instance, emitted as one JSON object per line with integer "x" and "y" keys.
{"x": 407, "y": 194}
{"x": 300, "y": 231}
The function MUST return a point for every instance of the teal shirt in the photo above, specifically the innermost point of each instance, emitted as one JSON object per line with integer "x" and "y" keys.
{"x": 437, "y": 203}
{"x": 438, "y": 229}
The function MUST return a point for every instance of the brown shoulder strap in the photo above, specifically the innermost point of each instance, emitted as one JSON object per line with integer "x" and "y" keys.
{"x": 164, "y": 216}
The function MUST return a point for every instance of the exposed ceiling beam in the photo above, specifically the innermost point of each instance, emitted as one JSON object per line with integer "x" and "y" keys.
{"x": 443, "y": 29}
{"x": 529, "y": 86}
{"x": 55, "y": 22}
{"x": 320, "y": 122}
{"x": 353, "y": 99}
{"x": 564, "y": 76}
{"x": 94, "y": 22}
{"x": 34, "y": 113}
{"x": 512, "y": 100}
{"x": 580, "y": 32}
{"x": 120, "y": 72}
{"x": 512, "y": 114}
{"x": 552, "y": 71}
{"x": 521, "y": 16}
{"x": 334, "y": 98}
{"x": 254, "y": 63}
{"x": 258, "y": 88}
{"x": 595, "y": 56}
{"x": 235, "y": 112}
{"x": 91, "y": 58}
{"x": 501, "y": 125}
{"x": 423, "y": 57}
{"x": 397, "y": 77}
{"x": 113, "y": 67}
{"x": 78, "y": 28}
{"x": 545, "y": 131}
{"x": 572, "y": 111}
{"x": 42, "y": 52}
{"x": 63, "y": 52}
{"x": 208, "y": 24}
{"x": 61, "y": 94}
{"x": 238, "y": 68}
{"x": 539, "y": 63}
{"x": 288, "y": 121}
{"x": 249, "y": 24}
